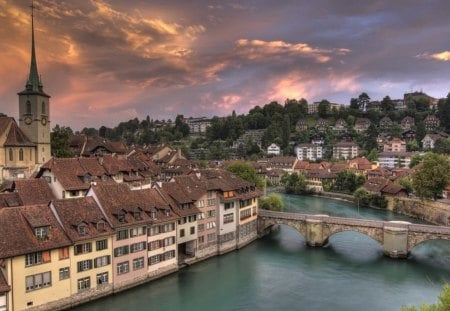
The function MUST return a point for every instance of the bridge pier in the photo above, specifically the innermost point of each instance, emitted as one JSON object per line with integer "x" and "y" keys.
{"x": 395, "y": 242}
{"x": 314, "y": 233}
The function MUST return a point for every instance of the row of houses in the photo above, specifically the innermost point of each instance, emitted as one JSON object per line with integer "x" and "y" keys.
{"x": 61, "y": 252}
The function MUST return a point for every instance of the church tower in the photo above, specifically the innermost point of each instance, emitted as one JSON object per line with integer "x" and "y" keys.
{"x": 34, "y": 108}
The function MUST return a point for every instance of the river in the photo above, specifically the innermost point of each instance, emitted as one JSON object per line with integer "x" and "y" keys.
{"x": 279, "y": 272}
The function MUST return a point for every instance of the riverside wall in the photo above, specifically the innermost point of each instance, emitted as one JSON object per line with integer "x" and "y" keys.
{"x": 434, "y": 212}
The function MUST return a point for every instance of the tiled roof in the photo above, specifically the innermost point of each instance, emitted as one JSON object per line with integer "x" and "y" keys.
{"x": 15, "y": 137}
{"x": 33, "y": 191}
{"x": 393, "y": 189}
{"x": 376, "y": 184}
{"x": 10, "y": 199}
{"x": 79, "y": 211}
{"x": 17, "y": 235}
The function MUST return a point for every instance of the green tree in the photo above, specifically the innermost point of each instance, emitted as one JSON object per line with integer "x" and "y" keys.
{"x": 387, "y": 105}
{"x": 444, "y": 113}
{"x": 294, "y": 183}
{"x": 324, "y": 108}
{"x": 442, "y": 146}
{"x": 59, "y": 138}
{"x": 286, "y": 131}
{"x": 361, "y": 196}
{"x": 247, "y": 172}
{"x": 432, "y": 176}
{"x": 373, "y": 155}
{"x": 415, "y": 159}
{"x": 406, "y": 182}
{"x": 273, "y": 202}
{"x": 442, "y": 305}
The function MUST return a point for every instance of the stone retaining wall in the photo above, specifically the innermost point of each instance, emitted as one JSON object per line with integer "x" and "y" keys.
{"x": 431, "y": 211}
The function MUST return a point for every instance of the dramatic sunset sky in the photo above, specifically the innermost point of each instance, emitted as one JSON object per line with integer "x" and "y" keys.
{"x": 105, "y": 61}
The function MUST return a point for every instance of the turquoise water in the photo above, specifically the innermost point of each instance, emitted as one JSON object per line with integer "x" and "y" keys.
{"x": 279, "y": 272}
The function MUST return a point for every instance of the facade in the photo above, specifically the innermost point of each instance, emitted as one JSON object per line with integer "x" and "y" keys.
{"x": 198, "y": 125}
{"x": 395, "y": 159}
{"x": 344, "y": 150}
{"x": 311, "y": 152}
{"x": 394, "y": 145}
{"x": 273, "y": 149}
{"x": 362, "y": 124}
{"x": 340, "y": 125}
{"x": 407, "y": 123}
{"x": 385, "y": 122}
{"x": 429, "y": 140}
{"x": 431, "y": 122}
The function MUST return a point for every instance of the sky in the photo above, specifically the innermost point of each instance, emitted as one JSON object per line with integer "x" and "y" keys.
{"x": 107, "y": 61}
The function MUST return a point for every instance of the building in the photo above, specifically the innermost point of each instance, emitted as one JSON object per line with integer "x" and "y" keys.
{"x": 273, "y": 149}
{"x": 340, "y": 125}
{"x": 395, "y": 159}
{"x": 301, "y": 125}
{"x": 362, "y": 124}
{"x": 407, "y": 123}
{"x": 385, "y": 122}
{"x": 311, "y": 152}
{"x": 345, "y": 150}
{"x": 431, "y": 122}
{"x": 429, "y": 141}
{"x": 25, "y": 147}
{"x": 395, "y": 145}
{"x": 197, "y": 125}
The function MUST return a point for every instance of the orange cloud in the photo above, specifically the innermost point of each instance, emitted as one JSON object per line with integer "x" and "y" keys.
{"x": 262, "y": 50}
{"x": 443, "y": 56}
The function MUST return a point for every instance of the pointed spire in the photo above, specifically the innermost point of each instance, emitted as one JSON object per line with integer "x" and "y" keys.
{"x": 34, "y": 82}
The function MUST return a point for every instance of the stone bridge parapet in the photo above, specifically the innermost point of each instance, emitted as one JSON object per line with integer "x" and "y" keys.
{"x": 397, "y": 238}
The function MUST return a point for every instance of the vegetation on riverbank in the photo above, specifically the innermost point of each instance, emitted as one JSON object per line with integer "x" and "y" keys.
{"x": 442, "y": 305}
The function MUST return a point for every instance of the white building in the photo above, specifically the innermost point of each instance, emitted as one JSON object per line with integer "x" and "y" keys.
{"x": 273, "y": 149}
{"x": 395, "y": 159}
{"x": 345, "y": 150}
{"x": 309, "y": 152}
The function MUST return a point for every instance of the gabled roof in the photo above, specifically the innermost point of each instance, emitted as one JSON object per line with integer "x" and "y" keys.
{"x": 33, "y": 191}
{"x": 74, "y": 212}
{"x": 17, "y": 235}
{"x": 14, "y": 137}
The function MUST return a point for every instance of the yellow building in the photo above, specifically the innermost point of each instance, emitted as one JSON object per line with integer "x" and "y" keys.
{"x": 90, "y": 268}
{"x": 31, "y": 262}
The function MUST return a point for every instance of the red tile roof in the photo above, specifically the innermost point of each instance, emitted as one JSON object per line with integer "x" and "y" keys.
{"x": 33, "y": 191}
{"x": 17, "y": 235}
{"x": 4, "y": 287}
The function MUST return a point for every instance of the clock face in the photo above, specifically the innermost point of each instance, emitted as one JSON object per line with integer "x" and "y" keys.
{"x": 27, "y": 120}
{"x": 44, "y": 121}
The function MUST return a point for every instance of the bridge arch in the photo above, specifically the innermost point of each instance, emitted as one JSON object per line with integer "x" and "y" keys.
{"x": 374, "y": 233}
{"x": 264, "y": 225}
{"x": 418, "y": 239}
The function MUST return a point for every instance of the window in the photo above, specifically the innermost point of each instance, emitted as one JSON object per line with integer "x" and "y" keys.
{"x": 43, "y": 108}
{"x": 101, "y": 226}
{"x": 137, "y": 231}
{"x": 37, "y": 258}
{"x": 123, "y": 267}
{"x": 138, "y": 263}
{"x": 102, "y": 261}
{"x": 154, "y": 260}
{"x": 169, "y": 227}
{"x": 210, "y": 225}
{"x": 64, "y": 273}
{"x": 41, "y": 233}
{"x": 101, "y": 245}
{"x": 154, "y": 245}
{"x": 20, "y": 154}
{"x": 228, "y": 194}
{"x": 153, "y": 214}
{"x": 84, "y": 283}
{"x": 201, "y": 239}
{"x": 229, "y": 205}
{"x": 38, "y": 281}
{"x": 211, "y": 202}
{"x": 246, "y": 213}
{"x": 137, "y": 247}
{"x": 137, "y": 215}
{"x": 192, "y": 218}
{"x": 11, "y": 155}
{"x": 122, "y": 235}
{"x": 102, "y": 278}
{"x": 84, "y": 265}
{"x": 181, "y": 233}
{"x": 83, "y": 248}
{"x": 192, "y": 230}
{"x": 200, "y": 203}
{"x": 211, "y": 214}
{"x": 120, "y": 251}
{"x": 121, "y": 217}
{"x": 154, "y": 230}
{"x": 201, "y": 227}
{"x": 28, "y": 107}
{"x": 168, "y": 241}
{"x": 227, "y": 218}
{"x": 168, "y": 255}
{"x": 82, "y": 229}
{"x": 63, "y": 253}
{"x": 209, "y": 194}
{"x": 211, "y": 237}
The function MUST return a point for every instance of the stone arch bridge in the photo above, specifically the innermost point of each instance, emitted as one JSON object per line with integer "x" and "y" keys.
{"x": 396, "y": 237}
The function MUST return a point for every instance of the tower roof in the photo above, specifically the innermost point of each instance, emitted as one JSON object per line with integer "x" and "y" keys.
{"x": 34, "y": 84}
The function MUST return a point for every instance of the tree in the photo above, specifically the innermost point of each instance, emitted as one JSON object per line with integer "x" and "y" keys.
{"x": 247, "y": 172}
{"x": 432, "y": 176}
{"x": 415, "y": 159}
{"x": 273, "y": 202}
{"x": 387, "y": 105}
{"x": 286, "y": 131}
{"x": 59, "y": 138}
{"x": 361, "y": 196}
{"x": 363, "y": 101}
{"x": 442, "y": 305}
{"x": 442, "y": 146}
{"x": 444, "y": 113}
{"x": 373, "y": 155}
{"x": 406, "y": 182}
{"x": 181, "y": 126}
{"x": 294, "y": 183}
{"x": 324, "y": 108}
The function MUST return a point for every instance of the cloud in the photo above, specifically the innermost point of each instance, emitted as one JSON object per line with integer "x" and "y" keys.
{"x": 441, "y": 56}
{"x": 277, "y": 50}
